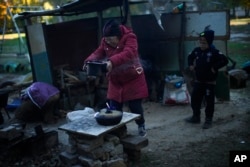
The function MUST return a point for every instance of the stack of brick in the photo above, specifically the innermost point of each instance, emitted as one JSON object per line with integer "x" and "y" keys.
{"x": 99, "y": 151}
{"x": 113, "y": 149}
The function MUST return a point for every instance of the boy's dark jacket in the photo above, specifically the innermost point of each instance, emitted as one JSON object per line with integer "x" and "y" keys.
{"x": 204, "y": 61}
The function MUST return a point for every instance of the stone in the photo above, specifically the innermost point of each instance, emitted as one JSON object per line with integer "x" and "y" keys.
{"x": 120, "y": 132}
{"x": 51, "y": 139}
{"x": 108, "y": 146}
{"x": 87, "y": 162}
{"x": 112, "y": 138}
{"x": 134, "y": 142}
{"x": 118, "y": 150}
{"x": 95, "y": 154}
{"x": 134, "y": 155}
{"x": 90, "y": 140}
{"x": 10, "y": 133}
{"x": 72, "y": 149}
{"x": 116, "y": 163}
{"x": 69, "y": 159}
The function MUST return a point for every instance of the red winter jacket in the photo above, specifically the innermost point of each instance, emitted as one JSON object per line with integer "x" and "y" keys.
{"x": 127, "y": 79}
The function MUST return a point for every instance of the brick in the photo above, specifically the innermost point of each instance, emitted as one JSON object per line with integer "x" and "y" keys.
{"x": 72, "y": 140}
{"x": 120, "y": 132}
{"x": 10, "y": 133}
{"x": 108, "y": 146}
{"x": 71, "y": 149}
{"x": 51, "y": 139}
{"x": 93, "y": 142}
{"x": 69, "y": 159}
{"x": 41, "y": 143}
{"x": 95, "y": 154}
{"x": 118, "y": 150}
{"x": 87, "y": 162}
{"x": 134, "y": 142}
{"x": 105, "y": 156}
{"x": 134, "y": 155}
{"x": 87, "y": 147}
{"x": 116, "y": 163}
{"x": 112, "y": 138}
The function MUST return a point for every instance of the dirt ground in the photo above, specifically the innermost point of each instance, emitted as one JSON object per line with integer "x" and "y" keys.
{"x": 175, "y": 143}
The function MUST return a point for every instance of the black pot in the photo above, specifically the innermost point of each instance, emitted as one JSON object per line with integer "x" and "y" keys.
{"x": 108, "y": 117}
{"x": 96, "y": 68}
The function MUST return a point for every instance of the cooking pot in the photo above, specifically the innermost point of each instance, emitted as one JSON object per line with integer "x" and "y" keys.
{"x": 108, "y": 117}
{"x": 82, "y": 75}
{"x": 96, "y": 68}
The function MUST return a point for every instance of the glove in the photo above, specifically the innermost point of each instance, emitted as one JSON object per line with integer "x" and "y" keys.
{"x": 84, "y": 67}
{"x": 109, "y": 66}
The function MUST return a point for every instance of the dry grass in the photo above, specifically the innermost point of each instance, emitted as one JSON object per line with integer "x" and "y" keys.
{"x": 244, "y": 21}
{"x": 11, "y": 36}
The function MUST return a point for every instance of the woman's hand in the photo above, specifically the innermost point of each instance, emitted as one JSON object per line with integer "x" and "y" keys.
{"x": 212, "y": 69}
{"x": 84, "y": 67}
{"x": 191, "y": 68}
{"x": 109, "y": 66}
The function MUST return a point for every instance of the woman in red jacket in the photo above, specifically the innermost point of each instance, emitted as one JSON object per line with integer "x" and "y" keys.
{"x": 119, "y": 50}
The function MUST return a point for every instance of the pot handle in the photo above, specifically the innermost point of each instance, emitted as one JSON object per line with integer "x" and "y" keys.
{"x": 108, "y": 111}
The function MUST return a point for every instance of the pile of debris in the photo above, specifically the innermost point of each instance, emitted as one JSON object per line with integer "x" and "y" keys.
{"x": 29, "y": 147}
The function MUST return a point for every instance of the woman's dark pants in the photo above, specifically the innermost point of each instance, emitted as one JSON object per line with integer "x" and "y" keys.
{"x": 135, "y": 107}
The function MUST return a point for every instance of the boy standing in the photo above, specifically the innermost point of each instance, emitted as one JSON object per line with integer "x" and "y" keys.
{"x": 205, "y": 61}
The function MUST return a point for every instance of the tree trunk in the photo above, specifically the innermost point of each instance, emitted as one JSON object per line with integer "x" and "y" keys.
{"x": 234, "y": 12}
{"x": 246, "y": 12}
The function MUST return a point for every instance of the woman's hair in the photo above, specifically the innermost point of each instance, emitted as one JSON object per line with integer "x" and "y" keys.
{"x": 111, "y": 28}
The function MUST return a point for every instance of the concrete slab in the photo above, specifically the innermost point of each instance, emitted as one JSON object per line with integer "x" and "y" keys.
{"x": 88, "y": 125}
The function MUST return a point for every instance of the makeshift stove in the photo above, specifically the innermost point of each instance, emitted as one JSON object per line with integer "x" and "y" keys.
{"x": 94, "y": 145}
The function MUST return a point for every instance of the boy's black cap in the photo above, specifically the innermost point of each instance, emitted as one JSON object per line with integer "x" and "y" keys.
{"x": 208, "y": 35}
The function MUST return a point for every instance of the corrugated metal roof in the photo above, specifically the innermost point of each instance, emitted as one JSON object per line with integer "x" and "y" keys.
{"x": 76, "y": 7}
